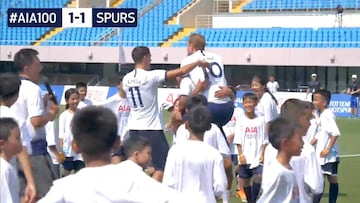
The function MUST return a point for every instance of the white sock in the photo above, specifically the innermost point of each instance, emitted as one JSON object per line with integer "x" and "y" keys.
{"x": 226, "y": 196}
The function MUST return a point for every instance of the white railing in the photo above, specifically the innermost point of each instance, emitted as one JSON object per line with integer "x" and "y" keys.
{"x": 225, "y": 6}
{"x": 203, "y": 21}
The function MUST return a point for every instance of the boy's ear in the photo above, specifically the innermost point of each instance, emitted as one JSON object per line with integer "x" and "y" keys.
{"x": 75, "y": 147}
{"x": 187, "y": 125}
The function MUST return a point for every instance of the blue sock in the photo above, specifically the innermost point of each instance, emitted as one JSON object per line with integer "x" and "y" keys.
{"x": 255, "y": 189}
{"x": 317, "y": 198}
{"x": 247, "y": 191}
{"x": 333, "y": 192}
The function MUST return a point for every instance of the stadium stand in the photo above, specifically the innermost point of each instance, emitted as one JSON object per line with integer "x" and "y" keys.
{"x": 154, "y": 28}
{"x": 24, "y": 36}
{"x": 261, "y": 5}
{"x": 279, "y": 37}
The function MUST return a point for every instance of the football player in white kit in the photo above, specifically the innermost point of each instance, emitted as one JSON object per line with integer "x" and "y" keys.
{"x": 141, "y": 86}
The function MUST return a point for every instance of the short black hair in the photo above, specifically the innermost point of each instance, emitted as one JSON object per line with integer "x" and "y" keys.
{"x": 139, "y": 52}
{"x": 199, "y": 119}
{"x": 279, "y": 129}
{"x": 250, "y": 95}
{"x": 195, "y": 100}
{"x": 94, "y": 130}
{"x": 9, "y": 85}
{"x": 325, "y": 94}
{"x": 135, "y": 143}
{"x": 80, "y": 84}
{"x": 292, "y": 109}
{"x": 6, "y": 125}
{"x": 25, "y": 57}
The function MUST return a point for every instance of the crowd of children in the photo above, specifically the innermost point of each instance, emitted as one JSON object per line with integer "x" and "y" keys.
{"x": 277, "y": 158}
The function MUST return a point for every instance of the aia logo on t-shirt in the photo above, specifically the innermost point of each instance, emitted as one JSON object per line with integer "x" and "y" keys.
{"x": 124, "y": 108}
{"x": 251, "y": 130}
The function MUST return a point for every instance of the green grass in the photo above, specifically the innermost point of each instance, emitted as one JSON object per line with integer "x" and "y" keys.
{"x": 349, "y": 141}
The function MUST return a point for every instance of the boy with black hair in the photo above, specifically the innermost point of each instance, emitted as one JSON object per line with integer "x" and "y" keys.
{"x": 9, "y": 93}
{"x": 138, "y": 150}
{"x": 326, "y": 143}
{"x": 82, "y": 89}
{"x": 10, "y": 145}
{"x": 278, "y": 182}
{"x": 251, "y": 141}
{"x": 306, "y": 167}
{"x": 213, "y": 137}
{"x": 187, "y": 160}
{"x": 95, "y": 135}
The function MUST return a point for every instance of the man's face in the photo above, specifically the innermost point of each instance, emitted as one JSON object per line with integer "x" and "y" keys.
{"x": 34, "y": 70}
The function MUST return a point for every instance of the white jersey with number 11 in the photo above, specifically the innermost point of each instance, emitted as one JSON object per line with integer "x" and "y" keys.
{"x": 141, "y": 87}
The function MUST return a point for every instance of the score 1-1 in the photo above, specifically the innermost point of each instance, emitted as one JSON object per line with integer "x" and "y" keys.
{"x": 76, "y": 17}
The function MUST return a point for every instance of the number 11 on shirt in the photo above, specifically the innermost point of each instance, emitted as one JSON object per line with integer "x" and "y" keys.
{"x": 136, "y": 97}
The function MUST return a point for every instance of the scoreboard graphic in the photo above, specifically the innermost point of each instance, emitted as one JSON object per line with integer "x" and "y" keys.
{"x": 72, "y": 17}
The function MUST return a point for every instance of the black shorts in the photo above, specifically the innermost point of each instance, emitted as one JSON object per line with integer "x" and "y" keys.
{"x": 330, "y": 169}
{"x": 159, "y": 146}
{"x": 69, "y": 164}
{"x": 244, "y": 171}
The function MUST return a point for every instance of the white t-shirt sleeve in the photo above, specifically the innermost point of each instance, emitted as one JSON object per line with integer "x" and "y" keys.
{"x": 222, "y": 145}
{"x": 50, "y": 133}
{"x": 185, "y": 86}
{"x": 53, "y": 196}
{"x": 313, "y": 176}
{"x": 277, "y": 85}
{"x": 62, "y": 125}
{"x": 263, "y": 135}
{"x": 158, "y": 76}
{"x": 169, "y": 178}
{"x": 181, "y": 134}
{"x": 220, "y": 180}
{"x": 239, "y": 133}
{"x": 331, "y": 126}
{"x": 35, "y": 104}
{"x": 268, "y": 107}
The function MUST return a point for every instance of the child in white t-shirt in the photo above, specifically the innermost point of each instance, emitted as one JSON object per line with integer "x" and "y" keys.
{"x": 10, "y": 145}
{"x": 326, "y": 142}
{"x": 81, "y": 87}
{"x": 120, "y": 106}
{"x": 251, "y": 141}
{"x": 193, "y": 159}
{"x": 52, "y": 140}
{"x": 278, "y": 180}
{"x": 307, "y": 170}
{"x": 73, "y": 160}
{"x": 229, "y": 130}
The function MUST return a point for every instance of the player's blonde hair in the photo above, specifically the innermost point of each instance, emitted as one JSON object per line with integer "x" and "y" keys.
{"x": 197, "y": 41}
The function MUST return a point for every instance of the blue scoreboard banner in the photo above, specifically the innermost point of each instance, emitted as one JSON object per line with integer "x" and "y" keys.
{"x": 72, "y": 17}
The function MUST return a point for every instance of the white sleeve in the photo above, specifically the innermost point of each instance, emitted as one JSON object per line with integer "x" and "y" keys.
{"x": 313, "y": 176}
{"x": 220, "y": 180}
{"x": 223, "y": 147}
{"x": 185, "y": 86}
{"x": 53, "y": 196}
{"x": 331, "y": 126}
{"x": 182, "y": 134}
{"x": 50, "y": 133}
{"x": 35, "y": 104}
{"x": 268, "y": 106}
{"x": 158, "y": 76}
{"x": 276, "y": 85}
{"x": 263, "y": 135}
{"x": 62, "y": 125}
{"x": 238, "y": 132}
{"x": 169, "y": 178}
{"x": 5, "y": 190}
